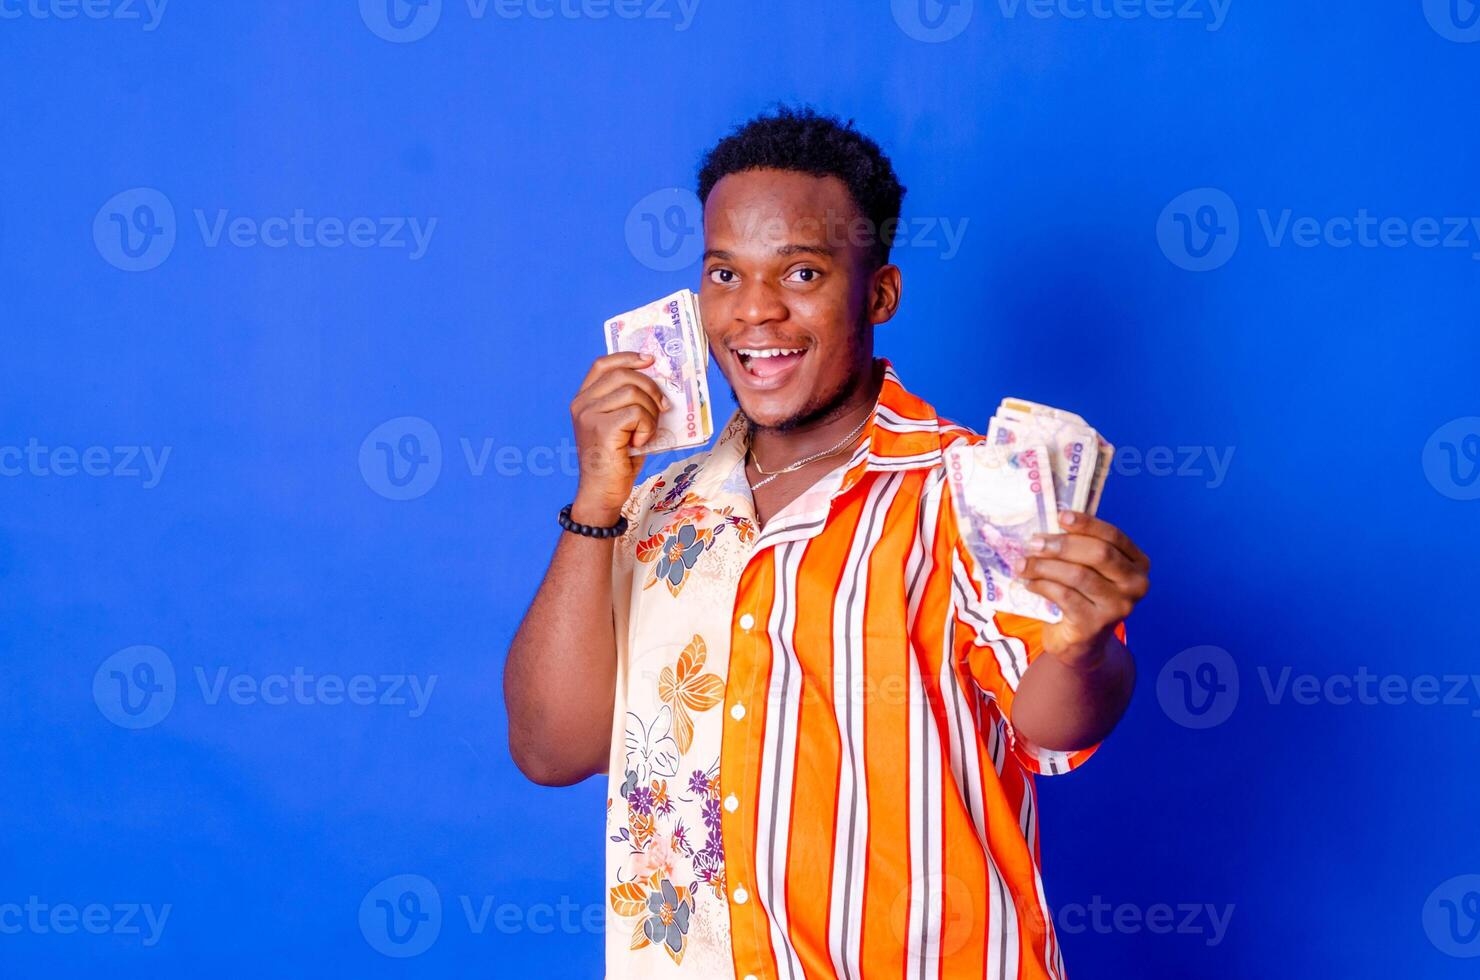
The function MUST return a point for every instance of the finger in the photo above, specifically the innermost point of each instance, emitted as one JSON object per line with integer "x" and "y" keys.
{"x": 638, "y": 420}
{"x": 1075, "y": 605}
{"x": 622, "y": 404}
{"x": 619, "y": 398}
{"x": 619, "y": 378}
{"x": 1074, "y": 522}
{"x": 616, "y": 359}
{"x": 1081, "y": 578}
{"x": 1097, "y": 553}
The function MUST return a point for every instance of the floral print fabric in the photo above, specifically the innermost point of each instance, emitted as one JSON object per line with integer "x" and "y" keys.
{"x": 675, "y": 572}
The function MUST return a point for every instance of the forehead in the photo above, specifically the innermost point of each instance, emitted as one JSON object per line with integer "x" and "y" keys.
{"x": 761, "y": 202}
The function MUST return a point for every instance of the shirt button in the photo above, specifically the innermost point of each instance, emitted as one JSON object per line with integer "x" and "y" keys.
{"x": 740, "y": 895}
{"x": 738, "y": 711}
{"x": 747, "y": 621}
{"x": 732, "y": 802}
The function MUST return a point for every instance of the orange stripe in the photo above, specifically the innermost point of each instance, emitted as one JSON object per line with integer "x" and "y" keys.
{"x": 886, "y": 716}
{"x": 814, "y": 802}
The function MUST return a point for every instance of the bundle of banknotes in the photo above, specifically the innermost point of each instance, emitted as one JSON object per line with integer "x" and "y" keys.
{"x": 670, "y": 330}
{"x": 1036, "y": 460}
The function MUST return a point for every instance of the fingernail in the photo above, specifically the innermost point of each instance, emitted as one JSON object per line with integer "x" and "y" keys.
{"x": 666, "y": 403}
{"x": 1035, "y": 544}
{"x": 1018, "y": 564}
{"x": 1068, "y": 517}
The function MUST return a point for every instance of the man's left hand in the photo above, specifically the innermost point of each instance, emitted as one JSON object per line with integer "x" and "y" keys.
{"x": 1095, "y": 574}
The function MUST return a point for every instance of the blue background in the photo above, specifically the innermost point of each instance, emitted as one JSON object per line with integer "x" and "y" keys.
{"x": 1335, "y": 540}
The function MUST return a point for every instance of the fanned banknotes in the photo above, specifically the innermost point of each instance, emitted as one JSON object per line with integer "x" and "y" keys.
{"x": 1036, "y": 460}
{"x": 670, "y": 330}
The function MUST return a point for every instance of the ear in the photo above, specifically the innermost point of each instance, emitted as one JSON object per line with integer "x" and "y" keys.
{"x": 884, "y": 291}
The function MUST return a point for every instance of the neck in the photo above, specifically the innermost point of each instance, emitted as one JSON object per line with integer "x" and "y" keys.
{"x": 775, "y": 448}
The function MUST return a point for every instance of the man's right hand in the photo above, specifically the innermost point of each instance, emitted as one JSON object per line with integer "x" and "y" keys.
{"x": 617, "y": 407}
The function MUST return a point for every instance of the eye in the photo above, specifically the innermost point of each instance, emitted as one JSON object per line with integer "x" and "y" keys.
{"x": 805, "y": 274}
{"x": 721, "y": 276}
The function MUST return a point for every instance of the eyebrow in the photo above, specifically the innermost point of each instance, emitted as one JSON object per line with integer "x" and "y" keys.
{"x": 785, "y": 251}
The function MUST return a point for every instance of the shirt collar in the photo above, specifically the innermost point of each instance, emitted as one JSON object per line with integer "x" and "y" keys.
{"x": 902, "y": 433}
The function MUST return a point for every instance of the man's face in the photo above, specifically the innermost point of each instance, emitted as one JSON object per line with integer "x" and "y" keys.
{"x": 788, "y": 296}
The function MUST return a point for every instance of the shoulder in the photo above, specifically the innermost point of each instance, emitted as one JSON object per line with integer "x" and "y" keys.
{"x": 952, "y": 433}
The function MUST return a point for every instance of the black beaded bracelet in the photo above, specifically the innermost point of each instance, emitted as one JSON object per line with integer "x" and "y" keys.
{"x": 589, "y": 530}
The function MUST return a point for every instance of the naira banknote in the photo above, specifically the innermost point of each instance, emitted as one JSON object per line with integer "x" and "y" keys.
{"x": 1035, "y": 461}
{"x": 1081, "y": 456}
{"x": 671, "y": 331}
{"x": 1072, "y": 449}
{"x": 1003, "y": 495}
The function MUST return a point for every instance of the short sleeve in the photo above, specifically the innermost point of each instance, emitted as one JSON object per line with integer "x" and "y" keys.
{"x": 635, "y": 510}
{"x": 995, "y": 649}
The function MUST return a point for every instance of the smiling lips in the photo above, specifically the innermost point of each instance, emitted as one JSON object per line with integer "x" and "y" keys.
{"x": 767, "y": 367}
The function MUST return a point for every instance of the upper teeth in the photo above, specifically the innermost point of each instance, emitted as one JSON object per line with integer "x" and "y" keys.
{"x": 769, "y": 351}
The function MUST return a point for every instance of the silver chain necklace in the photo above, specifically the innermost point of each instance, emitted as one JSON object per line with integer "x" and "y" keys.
{"x": 810, "y": 459}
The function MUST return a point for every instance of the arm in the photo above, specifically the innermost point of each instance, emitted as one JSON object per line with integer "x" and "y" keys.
{"x": 560, "y": 676}
{"x": 1074, "y": 696}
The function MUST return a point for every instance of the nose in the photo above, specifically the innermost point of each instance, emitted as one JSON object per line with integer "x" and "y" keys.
{"x": 759, "y": 302}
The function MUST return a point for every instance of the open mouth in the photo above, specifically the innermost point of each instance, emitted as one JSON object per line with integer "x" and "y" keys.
{"x": 767, "y": 367}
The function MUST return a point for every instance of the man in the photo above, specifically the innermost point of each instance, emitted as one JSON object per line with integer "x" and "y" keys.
{"x": 820, "y": 741}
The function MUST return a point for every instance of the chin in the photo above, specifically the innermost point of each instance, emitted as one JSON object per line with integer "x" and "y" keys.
{"x": 769, "y": 413}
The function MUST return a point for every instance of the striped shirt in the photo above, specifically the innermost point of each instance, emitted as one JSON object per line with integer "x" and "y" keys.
{"x": 812, "y": 772}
